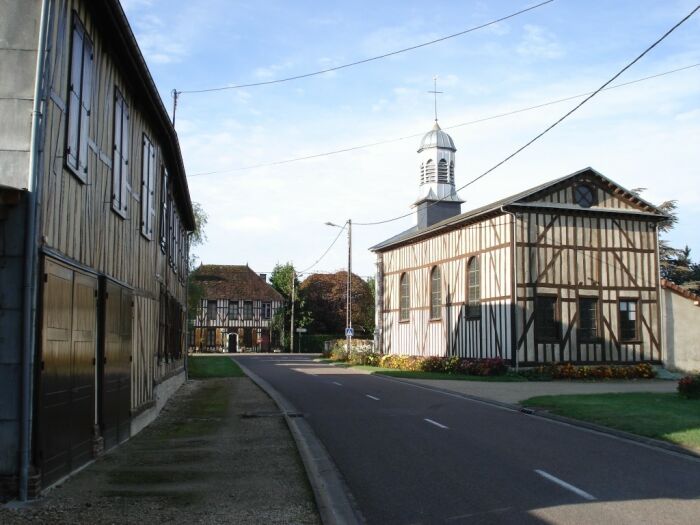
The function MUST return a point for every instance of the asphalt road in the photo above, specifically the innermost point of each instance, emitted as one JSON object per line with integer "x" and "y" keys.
{"x": 413, "y": 455}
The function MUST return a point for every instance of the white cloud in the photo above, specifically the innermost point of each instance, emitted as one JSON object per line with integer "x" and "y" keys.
{"x": 538, "y": 43}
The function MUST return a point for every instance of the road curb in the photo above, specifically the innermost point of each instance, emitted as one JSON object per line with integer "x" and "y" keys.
{"x": 620, "y": 434}
{"x": 335, "y": 502}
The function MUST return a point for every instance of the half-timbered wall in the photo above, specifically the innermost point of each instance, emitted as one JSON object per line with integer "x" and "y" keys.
{"x": 78, "y": 221}
{"x": 605, "y": 257}
{"x": 455, "y": 333}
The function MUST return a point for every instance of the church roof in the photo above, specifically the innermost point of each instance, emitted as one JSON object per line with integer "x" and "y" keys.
{"x": 521, "y": 200}
{"x": 436, "y": 138}
{"x": 237, "y": 282}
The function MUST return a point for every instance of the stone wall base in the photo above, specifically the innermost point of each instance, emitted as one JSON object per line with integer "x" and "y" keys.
{"x": 161, "y": 393}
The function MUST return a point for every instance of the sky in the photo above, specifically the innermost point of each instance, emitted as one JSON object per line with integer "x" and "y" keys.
{"x": 645, "y": 135}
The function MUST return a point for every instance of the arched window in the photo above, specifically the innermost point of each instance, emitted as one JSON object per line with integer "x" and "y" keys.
{"x": 405, "y": 298}
{"x": 430, "y": 171}
{"x": 473, "y": 288}
{"x": 452, "y": 172}
{"x": 442, "y": 171}
{"x": 435, "y": 294}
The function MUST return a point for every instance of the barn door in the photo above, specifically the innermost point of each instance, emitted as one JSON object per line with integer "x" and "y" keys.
{"x": 116, "y": 369}
{"x": 67, "y": 370}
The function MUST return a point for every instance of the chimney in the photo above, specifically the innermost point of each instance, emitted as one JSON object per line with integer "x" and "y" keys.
{"x": 263, "y": 276}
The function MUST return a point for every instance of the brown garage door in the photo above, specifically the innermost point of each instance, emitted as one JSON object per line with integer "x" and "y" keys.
{"x": 67, "y": 400}
{"x": 116, "y": 383}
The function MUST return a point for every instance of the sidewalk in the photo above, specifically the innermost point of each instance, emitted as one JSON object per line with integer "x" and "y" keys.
{"x": 515, "y": 392}
{"x": 220, "y": 452}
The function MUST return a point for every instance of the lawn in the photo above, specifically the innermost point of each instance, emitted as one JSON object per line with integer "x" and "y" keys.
{"x": 391, "y": 372}
{"x": 661, "y": 416}
{"x": 208, "y": 367}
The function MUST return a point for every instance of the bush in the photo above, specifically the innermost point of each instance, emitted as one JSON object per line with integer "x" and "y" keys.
{"x": 571, "y": 371}
{"x": 689, "y": 387}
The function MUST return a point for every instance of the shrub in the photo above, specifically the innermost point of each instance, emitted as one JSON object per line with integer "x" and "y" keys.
{"x": 689, "y": 386}
{"x": 571, "y": 371}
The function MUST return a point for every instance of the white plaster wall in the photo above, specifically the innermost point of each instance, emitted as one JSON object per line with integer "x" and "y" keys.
{"x": 681, "y": 319}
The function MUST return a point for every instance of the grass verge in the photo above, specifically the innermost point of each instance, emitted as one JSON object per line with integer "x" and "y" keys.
{"x": 661, "y": 416}
{"x": 391, "y": 372}
{"x": 207, "y": 367}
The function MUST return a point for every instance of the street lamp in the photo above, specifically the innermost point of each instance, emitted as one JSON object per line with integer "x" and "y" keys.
{"x": 348, "y": 308}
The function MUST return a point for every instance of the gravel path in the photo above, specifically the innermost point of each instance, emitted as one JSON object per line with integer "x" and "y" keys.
{"x": 220, "y": 452}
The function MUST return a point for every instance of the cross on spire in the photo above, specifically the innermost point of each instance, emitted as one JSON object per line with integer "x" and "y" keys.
{"x": 435, "y": 93}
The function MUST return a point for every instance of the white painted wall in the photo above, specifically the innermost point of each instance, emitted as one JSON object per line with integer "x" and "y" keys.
{"x": 681, "y": 320}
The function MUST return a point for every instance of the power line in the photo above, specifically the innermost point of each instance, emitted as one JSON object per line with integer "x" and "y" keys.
{"x": 326, "y": 252}
{"x": 365, "y": 60}
{"x": 416, "y": 135}
{"x": 548, "y": 129}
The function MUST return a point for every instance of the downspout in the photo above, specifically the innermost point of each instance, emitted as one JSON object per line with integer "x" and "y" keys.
{"x": 29, "y": 291}
{"x": 514, "y": 292}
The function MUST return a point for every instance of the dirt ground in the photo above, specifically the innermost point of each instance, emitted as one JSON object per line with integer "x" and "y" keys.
{"x": 220, "y": 452}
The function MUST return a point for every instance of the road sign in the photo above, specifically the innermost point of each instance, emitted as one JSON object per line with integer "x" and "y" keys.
{"x": 349, "y": 332}
{"x": 301, "y": 330}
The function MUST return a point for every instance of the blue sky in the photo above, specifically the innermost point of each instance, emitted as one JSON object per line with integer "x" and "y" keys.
{"x": 644, "y": 135}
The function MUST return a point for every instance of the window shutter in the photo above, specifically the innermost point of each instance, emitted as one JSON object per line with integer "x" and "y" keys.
{"x": 117, "y": 153}
{"x": 76, "y": 68}
{"x": 162, "y": 224}
{"x": 145, "y": 155}
{"x": 125, "y": 169}
{"x": 151, "y": 190}
{"x": 85, "y": 101}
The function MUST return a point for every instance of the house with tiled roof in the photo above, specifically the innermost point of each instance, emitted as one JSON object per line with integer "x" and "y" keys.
{"x": 235, "y": 311}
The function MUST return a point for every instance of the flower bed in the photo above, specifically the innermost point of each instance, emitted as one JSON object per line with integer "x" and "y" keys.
{"x": 689, "y": 387}
{"x": 571, "y": 371}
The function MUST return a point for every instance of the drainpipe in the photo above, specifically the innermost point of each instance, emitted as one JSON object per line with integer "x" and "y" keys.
{"x": 514, "y": 281}
{"x": 29, "y": 291}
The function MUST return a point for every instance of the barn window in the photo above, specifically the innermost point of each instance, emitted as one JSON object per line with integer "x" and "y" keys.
{"x": 473, "y": 288}
{"x": 121, "y": 183}
{"x": 546, "y": 318}
{"x": 405, "y": 298}
{"x": 163, "y": 223}
{"x": 266, "y": 310}
{"x": 148, "y": 175}
{"x": 588, "y": 319}
{"x": 80, "y": 95}
{"x": 233, "y": 310}
{"x": 429, "y": 171}
{"x": 584, "y": 195}
{"x": 443, "y": 176}
{"x": 211, "y": 310}
{"x": 629, "y": 328}
{"x": 247, "y": 309}
{"x": 435, "y": 293}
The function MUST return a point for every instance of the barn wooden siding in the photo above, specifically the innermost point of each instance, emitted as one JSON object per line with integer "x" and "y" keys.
{"x": 584, "y": 255}
{"x": 77, "y": 218}
{"x": 455, "y": 333}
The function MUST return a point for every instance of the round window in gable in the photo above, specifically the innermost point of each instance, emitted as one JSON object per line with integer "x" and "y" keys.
{"x": 584, "y": 195}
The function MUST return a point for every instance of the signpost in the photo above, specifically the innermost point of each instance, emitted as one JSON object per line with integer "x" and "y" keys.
{"x": 349, "y": 332}
{"x": 300, "y": 331}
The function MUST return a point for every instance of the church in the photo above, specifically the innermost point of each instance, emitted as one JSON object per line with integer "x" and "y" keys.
{"x": 567, "y": 271}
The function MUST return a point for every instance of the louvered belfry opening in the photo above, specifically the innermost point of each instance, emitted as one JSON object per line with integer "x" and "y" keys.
{"x": 442, "y": 172}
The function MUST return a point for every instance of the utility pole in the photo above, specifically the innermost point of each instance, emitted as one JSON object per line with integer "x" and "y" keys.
{"x": 348, "y": 323}
{"x": 291, "y": 324}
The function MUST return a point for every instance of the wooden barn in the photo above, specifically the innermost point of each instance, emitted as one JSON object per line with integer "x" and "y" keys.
{"x": 94, "y": 219}
{"x": 236, "y": 310}
{"x": 566, "y": 271}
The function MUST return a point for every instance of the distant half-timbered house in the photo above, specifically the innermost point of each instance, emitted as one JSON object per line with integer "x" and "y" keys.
{"x": 235, "y": 312}
{"x": 94, "y": 217}
{"x": 563, "y": 272}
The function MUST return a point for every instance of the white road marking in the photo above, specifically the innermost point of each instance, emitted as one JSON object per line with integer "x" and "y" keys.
{"x": 435, "y": 423}
{"x": 372, "y": 397}
{"x": 336, "y": 383}
{"x": 567, "y": 486}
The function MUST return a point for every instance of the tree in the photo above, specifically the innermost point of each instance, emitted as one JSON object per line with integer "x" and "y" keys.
{"x": 281, "y": 280}
{"x": 195, "y": 291}
{"x": 326, "y": 295}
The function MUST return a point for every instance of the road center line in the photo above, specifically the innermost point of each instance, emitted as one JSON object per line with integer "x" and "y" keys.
{"x": 336, "y": 383}
{"x": 567, "y": 486}
{"x": 372, "y": 397}
{"x": 435, "y": 423}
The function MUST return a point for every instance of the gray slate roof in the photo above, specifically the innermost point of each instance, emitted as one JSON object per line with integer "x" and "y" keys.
{"x": 514, "y": 201}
